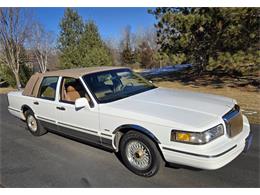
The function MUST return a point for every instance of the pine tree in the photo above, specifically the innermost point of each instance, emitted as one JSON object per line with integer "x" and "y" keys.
{"x": 127, "y": 55}
{"x": 72, "y": 27}
{"x": 93, "y": 50}
{"x": 205, "y": 35}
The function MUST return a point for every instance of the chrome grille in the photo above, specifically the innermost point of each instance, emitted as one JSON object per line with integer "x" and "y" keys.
{"x": 234, "y": 121}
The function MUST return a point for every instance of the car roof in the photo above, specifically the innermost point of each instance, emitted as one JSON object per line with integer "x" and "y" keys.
{"x": 32, "y": 86}
{"x": 78, "y": 72}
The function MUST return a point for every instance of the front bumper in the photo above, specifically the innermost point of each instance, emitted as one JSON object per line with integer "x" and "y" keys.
{"x": 248, "y": 143}
{"x": 219, "y": 156}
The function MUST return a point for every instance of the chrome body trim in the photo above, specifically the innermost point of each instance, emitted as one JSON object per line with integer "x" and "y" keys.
{"x": 138, "y": 128}
{"x": 233, "y": 121}
{"x": 13, "y": 109}
{"x": 200, "y": 155}
{"x": 232, "y": 113}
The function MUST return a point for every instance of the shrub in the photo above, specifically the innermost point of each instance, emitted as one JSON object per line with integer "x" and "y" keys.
{"x": 6, "y": 74}
{"x": 178, "y": 58}
{"x": 243, "y": 63}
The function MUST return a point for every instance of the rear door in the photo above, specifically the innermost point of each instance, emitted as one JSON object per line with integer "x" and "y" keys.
{"x": 45, "y": 104}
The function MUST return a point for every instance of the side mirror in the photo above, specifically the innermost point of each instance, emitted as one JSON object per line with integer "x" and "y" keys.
{"x": 81, "y": 103}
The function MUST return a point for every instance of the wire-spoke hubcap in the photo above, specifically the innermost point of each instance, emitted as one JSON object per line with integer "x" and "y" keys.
{"x": 31, "y": 121}
{"x": 138, "y": 155}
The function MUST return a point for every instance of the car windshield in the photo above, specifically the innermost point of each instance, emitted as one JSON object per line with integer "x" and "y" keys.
{"x": 116, "y": 84}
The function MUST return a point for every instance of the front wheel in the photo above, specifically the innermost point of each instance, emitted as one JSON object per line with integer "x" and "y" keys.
{"x": 140, "y": 154}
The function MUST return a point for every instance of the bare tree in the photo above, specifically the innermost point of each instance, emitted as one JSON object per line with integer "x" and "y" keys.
{"x": 14, "y": 30}
{"x": 42, "y": 45}
{"x": 147, "y": 35}
{"x": 113, "y": 47}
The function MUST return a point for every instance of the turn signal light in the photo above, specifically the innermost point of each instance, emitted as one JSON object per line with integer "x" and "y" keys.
{"x": 182, "y": 136}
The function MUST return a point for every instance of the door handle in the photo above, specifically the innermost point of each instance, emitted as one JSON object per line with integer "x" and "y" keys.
{"x": 36, "y": 103}
{"x": 60, "y": 108}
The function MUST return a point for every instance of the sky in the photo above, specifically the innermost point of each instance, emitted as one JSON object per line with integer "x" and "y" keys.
{"x": 110, "y": 21}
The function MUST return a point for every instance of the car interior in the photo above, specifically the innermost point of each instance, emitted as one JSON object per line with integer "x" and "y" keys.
{"x": 72, "y": 89}
{"x": 48, "y": 87}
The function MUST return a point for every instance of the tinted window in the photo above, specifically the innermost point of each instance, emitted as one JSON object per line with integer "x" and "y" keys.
{"x": 48, "y": 88}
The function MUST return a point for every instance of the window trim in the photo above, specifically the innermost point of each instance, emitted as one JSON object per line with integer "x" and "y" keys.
{"x": 47, "y": 98}
{"x": 91, "y": 103}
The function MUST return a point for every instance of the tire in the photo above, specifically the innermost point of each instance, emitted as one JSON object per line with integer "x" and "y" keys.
{"x": 140, "y": 154}
{"x": 33, "y": 124}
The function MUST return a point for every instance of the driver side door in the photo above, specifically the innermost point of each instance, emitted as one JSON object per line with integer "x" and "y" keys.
{"x": 79, "y": 123}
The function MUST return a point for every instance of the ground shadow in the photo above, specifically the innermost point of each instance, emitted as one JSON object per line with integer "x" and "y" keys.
{"x": 216, "y": 79}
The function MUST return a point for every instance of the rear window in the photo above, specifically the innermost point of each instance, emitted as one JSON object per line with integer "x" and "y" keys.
{"x": 48, "y": 88}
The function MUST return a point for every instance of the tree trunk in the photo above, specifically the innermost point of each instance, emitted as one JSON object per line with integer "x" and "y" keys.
{"x": 18, "y": 82}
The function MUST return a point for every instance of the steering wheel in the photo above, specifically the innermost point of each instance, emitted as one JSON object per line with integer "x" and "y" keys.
{"x": 127, "y": 85}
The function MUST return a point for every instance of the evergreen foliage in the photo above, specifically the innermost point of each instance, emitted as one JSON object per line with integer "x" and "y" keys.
{"x": 80, "y": 44}
{"x": 93, "y": 50}
{"x": 25, "y": 72}
{"x": 210, "y": 36}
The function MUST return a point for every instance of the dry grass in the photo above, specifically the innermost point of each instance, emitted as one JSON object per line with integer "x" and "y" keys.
{"x": 249, "y": 100}
{"x": 5, "y": 90}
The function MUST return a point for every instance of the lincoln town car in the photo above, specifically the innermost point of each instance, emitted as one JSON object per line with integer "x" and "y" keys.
{"x": 148, "y": 126}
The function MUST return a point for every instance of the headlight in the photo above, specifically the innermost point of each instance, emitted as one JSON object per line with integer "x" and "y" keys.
{"x": 197, "y": 138}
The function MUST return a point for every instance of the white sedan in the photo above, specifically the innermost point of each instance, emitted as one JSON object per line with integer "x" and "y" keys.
{"x": 118, "y": 109}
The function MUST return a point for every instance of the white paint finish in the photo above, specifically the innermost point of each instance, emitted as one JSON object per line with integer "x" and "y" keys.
{"x": 201, "y": 162}
{"x": 159, "y": 111}
{"x": 173, "y": 108}
{"x": 88, "y": 92}
{"x": 219, "y": 147}
{"x": 81, "y": 103}
{"x": 46, "y": 109}
{"x": 86, "y": 117}
{"x": 17, "y": 114}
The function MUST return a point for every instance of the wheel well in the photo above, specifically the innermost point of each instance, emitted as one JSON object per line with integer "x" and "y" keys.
{"x": 25, "y": 108}
{"x": 120, "y": 131}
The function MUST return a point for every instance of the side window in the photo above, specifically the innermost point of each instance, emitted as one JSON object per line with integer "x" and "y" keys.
{"x": 48, "y": 88}
{"x": 71, "y": 90}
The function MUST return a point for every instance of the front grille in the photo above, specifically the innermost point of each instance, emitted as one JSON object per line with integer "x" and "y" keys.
{"x": 234, "y": 121}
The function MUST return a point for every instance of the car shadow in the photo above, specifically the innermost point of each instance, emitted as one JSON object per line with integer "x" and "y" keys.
{"x": 89, "y": 143}
{"x": 117, "y": 154}
{"x": 166, "y": 164}
{"x": 178, "y": 166}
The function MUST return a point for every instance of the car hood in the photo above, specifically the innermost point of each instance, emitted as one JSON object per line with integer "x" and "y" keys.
{"x": 174, "y": 108}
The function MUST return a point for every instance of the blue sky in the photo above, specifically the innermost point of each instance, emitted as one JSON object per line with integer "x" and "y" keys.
{"x": 110, "y": 21}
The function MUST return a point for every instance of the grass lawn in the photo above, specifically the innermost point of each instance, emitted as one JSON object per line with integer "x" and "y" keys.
{"x": 6, "y": 90}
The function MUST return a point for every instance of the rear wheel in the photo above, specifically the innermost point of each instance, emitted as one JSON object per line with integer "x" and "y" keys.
{"x": 140, "y": 154}
{"x": 33, "y": 124}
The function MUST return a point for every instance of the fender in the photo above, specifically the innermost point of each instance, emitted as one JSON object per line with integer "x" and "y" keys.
{"x": 25, "y": 107}
{"x": 139, "y": 129}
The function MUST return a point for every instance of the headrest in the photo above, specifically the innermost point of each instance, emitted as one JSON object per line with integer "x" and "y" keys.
{"x": 70, "y": 89}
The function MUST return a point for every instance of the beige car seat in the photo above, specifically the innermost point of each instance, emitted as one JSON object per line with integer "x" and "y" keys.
{"x": 71, "y": 94}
